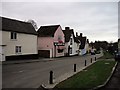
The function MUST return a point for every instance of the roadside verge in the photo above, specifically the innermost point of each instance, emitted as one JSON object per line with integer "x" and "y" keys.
{"x": 92, "y": 77}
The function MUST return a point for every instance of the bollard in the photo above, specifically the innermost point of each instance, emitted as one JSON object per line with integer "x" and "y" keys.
{"x": 95, "y": 58}
{"x": 51, "y": 77}
{"x": 85, "y": 62}
{"x": 74, "y": 67}
{"x": 91, "y": 60}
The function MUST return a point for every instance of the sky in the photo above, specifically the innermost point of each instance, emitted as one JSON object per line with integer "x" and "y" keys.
{"x": 96, "y": 20}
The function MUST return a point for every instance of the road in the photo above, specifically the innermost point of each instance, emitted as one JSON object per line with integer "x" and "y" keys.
{"x": 32, "y": 75}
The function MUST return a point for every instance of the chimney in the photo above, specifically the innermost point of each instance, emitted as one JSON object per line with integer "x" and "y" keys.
{"x": 67, "y": 28}
{"x": 87, "y": 40}
{"x": 80, "y": 34}
{"x": 76, "y": 34}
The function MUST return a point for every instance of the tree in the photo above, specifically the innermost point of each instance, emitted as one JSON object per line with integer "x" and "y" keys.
{"x": 33, "y": 23}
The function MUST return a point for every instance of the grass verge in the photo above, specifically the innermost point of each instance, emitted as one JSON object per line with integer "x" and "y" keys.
{"x": 107, "y": 55}
{"x": 92, "y": 76}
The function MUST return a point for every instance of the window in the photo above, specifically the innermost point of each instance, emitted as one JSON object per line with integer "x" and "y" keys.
{"x": 70, "y": 41}
{"x": 18, "y": 49}
{"x": 59, "y": 38}
{"x": 70, "y": 50}
{"x": 13, "y": 35}
{"x": 60, "y": 50}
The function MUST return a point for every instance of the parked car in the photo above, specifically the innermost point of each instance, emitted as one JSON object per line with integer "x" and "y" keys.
{"x": 117, "y": 56}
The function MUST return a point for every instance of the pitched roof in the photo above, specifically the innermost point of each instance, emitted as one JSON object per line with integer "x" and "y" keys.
{"x": 17, "y": 26}
{"x": 82, "y": 40}
{"x": 47, "y": 31}
{"x": 68, "y": 33}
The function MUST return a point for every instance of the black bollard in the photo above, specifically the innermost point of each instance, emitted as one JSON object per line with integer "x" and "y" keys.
{"x": 85, "y": 62}
{"x": 91, "y": 60}
{"x": 95, "y": 58}
{"x": 51, "y": 77}
{"x": 74, "y": 67}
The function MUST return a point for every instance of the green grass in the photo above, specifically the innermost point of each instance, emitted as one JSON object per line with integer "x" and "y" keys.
{"x": 107, "y": 55}
{"x": 95, "y": 75}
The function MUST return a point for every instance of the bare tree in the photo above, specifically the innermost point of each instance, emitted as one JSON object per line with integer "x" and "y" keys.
{"x": 33, "y": 23}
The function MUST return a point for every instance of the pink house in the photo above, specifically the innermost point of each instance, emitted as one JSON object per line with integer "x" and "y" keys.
{"x": 51, "y": 41}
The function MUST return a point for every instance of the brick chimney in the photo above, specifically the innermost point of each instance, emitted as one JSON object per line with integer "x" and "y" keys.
{"x": 76, "y": 34}
{"x": 87, "y": 40}
{"x": 80, "y": 34}
{"x": 67, "y": 28}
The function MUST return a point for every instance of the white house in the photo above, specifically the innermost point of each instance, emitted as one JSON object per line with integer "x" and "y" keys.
{"x": 19, "y": 40}
{"x": 71, "y": 43}
{"x": 84, "y": 46}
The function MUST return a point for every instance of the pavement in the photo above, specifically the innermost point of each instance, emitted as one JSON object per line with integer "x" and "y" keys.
{"x": 32, "y": 75}
{"x": 35, "y": 60}
{"x": 26, "y": 61}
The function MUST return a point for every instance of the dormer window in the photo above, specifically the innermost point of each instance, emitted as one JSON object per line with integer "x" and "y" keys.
{"x": 13, "y": 35}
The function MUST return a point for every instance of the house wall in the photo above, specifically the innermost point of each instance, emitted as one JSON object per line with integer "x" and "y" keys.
{"x": 1, "y": 53}
{"x": 46, "y": 43}
{"x": 72, "y": 46}
{"x": 87, "y": 47}
{"x": 58, "y": 33}
{"x": 0, "y": 37}
{"x": 66, "y": 49}
{"x": 76, "y": 46}
{"x": 27, "y": 42}
{"x": 0, "y": 45}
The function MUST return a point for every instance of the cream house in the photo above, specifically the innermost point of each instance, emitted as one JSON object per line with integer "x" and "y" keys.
{"x": 19, "y": 40}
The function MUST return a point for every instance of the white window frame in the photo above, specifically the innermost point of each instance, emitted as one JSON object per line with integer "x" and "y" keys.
{"x": 14, "y": 37}
{"x": 18, "y": 49}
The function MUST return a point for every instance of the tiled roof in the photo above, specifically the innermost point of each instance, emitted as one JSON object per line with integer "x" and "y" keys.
{"x": 47, "y": 31}
{"x": 17, "y": 26}
{"x": 68, "y": 33}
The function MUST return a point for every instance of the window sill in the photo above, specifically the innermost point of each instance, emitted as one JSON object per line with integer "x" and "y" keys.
{"x": 13, "y": 39}
{"x": 18, "y": 53}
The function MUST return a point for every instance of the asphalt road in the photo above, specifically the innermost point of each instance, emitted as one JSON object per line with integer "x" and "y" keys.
{"x": 32, "y": 75}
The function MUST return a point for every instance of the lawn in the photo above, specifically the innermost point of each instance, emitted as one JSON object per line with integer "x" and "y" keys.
{"x": 107, "y": 55}
{"x": 92, "y": 76}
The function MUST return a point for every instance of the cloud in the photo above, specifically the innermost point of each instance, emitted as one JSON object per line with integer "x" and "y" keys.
{"x": 94, "y": 19}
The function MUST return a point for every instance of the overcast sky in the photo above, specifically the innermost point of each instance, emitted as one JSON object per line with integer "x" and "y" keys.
{"x": 96, "y": 20}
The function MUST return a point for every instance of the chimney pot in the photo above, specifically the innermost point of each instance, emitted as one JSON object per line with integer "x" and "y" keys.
{"x": 76, "y": 34}
{"x": 80, "y": 34}
{"x": 67, "y": 28}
